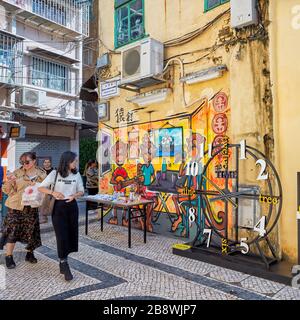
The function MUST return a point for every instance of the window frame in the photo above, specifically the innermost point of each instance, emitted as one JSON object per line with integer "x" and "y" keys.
{"x": 118, "y": 7}
{"x": 206, "y": 8}
{"x": 47, "y": 80}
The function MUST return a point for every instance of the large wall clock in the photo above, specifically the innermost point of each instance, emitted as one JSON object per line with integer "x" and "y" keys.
{"x": 240, "y": 201}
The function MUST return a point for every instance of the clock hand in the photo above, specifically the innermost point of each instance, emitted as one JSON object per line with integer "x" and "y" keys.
{"x": 233, "y": 194}
{"x": 220, "y": 190}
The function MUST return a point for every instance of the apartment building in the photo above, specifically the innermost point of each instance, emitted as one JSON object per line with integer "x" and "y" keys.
{"x": 41, "y": 45}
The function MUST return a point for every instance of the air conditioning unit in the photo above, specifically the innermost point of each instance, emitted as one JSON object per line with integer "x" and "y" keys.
{"x": 33, "y": 98}
{"x": 142, "y": 63}
{"x": 243, "y": 13}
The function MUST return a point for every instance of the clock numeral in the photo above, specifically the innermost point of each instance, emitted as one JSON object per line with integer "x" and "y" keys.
{"x": 192, "y": 216}
{"x": 224, "y": 246}
{"x": 243, "y": 150}
{"x": 209, "y": 150}
{"x": 260, "y": 226}
{"x": 244, "y": 245}
{"x": 208, "y": 231}
{"x": 193, "y": 168}
{"x": 201, "y": 150}
{"x": 262, "y": 175}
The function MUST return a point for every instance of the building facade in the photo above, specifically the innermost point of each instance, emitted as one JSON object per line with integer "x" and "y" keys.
{"x": 41, "y": 74}
{"x": 215, "y": 78}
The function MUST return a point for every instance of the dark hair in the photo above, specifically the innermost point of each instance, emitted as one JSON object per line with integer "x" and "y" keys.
{"x": 90, "y": 162}
{"x": 31, "y": 155}
{"x": 64, "y": 162}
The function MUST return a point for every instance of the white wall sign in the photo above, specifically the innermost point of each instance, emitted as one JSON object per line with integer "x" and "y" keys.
{"x": 109, "y": 89}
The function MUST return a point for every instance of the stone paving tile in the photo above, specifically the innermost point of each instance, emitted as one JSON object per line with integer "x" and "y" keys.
{"x": 141, "y": 279}
{"x": 105, "y": 268}
{"x": 262, "y": 285}
{"x": 187, "y": 292}
{"x": 158, "y": 247}
{"x": 227, "y": 275}
{"x": 38, "y": 281}
{"x": 288, "y": 293}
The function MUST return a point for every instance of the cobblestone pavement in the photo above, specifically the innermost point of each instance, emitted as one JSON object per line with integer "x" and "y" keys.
{"x": 105, "y": 268}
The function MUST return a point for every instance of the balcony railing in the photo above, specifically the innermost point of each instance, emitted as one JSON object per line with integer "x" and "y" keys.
{"x": 11, "y": 58}
{"x": 72, "y": 14}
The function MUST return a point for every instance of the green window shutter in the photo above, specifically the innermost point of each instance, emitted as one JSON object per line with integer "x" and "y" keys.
{"x": 129, "y": 21}
{"x": 118, "y": 3}
{"x": 211, "y": 4}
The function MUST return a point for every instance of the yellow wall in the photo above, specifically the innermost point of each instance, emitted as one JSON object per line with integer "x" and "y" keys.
{"x": 285, "y": 52}
{"x": 247, "y": 82}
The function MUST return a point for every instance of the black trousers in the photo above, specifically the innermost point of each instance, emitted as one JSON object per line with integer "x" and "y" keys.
{"x": 65, "y": 224}
{"x": 92, "y": 192}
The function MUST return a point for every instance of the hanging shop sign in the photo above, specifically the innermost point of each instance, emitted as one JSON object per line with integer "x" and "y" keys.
{"x": 109, "y": 89}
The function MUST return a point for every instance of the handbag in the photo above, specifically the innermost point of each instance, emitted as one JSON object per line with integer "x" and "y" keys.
{"x": 49, "y": 200}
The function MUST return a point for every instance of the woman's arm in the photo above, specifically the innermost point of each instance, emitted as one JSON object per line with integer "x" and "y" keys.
{"x": 75, "y": 196}
{"x": 9, "y": 185}
{"x": 56, "y": 195}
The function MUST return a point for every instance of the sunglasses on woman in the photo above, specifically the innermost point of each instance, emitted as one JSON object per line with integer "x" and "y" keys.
{"x": 25, "y": 162}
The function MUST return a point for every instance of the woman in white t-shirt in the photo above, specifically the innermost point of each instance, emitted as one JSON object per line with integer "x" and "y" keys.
{"x": 68, "y": 187}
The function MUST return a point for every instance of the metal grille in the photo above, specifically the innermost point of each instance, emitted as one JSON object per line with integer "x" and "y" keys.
{"x": 11, "y": 56}
{"x": 47, "y": 74}
{"x": 43, "y": 147}
{"x": 73, "y": 14}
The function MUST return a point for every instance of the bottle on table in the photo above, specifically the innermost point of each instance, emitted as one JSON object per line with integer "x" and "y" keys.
{"x": 164, "y": 169}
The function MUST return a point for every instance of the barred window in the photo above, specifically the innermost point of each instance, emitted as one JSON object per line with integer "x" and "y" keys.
{"x": 47, "y": 74}
{"x": 11, "y": 56}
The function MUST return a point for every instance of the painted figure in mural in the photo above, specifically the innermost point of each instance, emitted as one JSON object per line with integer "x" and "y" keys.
{"x": 148, "y": 151}
{"x": 193, "y": 154}
{"x": 119, "y": 176}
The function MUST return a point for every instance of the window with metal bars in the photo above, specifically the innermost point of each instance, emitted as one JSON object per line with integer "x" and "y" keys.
{"x": 47, "y": 74}
{"x": 211, "y": 4}
{"x": 50, "y": 10}
{"x": 11, "y": 56}
{"x": 129, "y": 21}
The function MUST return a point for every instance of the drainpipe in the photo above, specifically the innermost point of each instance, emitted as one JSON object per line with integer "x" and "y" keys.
{"x": 274, "y": 76}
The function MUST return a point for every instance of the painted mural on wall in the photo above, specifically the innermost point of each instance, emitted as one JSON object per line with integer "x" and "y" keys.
{"x": 153, "y": 159}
